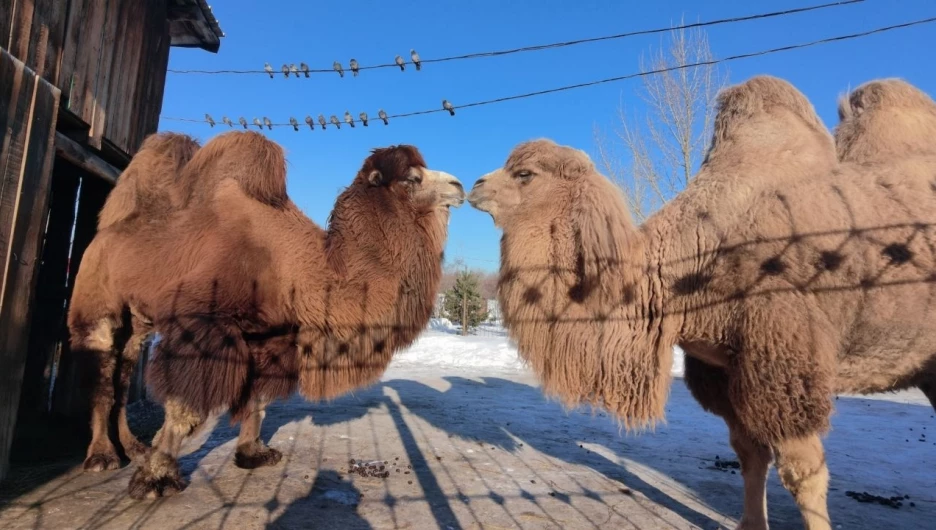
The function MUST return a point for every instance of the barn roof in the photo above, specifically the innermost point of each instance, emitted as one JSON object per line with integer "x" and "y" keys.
{"x": 192, "y": 25}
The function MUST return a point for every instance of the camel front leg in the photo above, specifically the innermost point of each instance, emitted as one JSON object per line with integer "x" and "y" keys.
{"x": 158, "y": 473}
{"x": 803, "y": 471}
{"x": 251, "y": 451}
{"x": 755, "y": 464}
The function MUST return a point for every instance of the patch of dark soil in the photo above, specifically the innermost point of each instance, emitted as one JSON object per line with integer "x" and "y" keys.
{"x": 865, "y": 497}
{"x": 373, "y": 468}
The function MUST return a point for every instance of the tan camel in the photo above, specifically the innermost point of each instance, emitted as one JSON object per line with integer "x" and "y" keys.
{"x": 785, "y": 277}
{"x": 148, "y": 189}
{"x": 253, "y": 300}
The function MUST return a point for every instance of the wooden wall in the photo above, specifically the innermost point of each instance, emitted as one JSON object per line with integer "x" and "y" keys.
{"x": 28, "y": 109}
{"x": 81, "y": 81}
{"x": 108, "y": 57}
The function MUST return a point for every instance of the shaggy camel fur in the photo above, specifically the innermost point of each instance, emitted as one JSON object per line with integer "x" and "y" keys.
{"x": 785, "y": 278}
{"x": 890, "y": 121}
{"x": 885, "y": 119}
{"x": 147, "y": 190}
{"x": 253, "y": 300}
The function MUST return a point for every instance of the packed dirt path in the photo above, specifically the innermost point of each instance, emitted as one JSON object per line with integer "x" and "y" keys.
{"x": 482, "y": 448}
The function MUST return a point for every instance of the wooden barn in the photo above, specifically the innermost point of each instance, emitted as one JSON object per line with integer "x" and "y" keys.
{"x": 81, "y": 86}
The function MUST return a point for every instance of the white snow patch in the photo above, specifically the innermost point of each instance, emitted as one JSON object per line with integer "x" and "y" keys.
{"x": 446, "y": 348}
{"x": 442, "y": 345}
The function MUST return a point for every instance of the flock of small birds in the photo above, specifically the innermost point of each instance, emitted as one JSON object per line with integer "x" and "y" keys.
{"x": 292, "y": 69}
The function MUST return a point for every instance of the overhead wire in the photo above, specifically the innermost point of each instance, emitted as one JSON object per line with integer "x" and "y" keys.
{"x": 627, "y": 76}
{"x": 549, "y": 46}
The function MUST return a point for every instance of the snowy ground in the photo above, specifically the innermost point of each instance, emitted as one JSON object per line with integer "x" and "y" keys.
{"x": 478, "y": 446}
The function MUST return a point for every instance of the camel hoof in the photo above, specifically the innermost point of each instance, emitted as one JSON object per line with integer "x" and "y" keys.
{"x": 257, "y": 456}
{"x": 143, "y": 485}
{"x": 98, "y": 462}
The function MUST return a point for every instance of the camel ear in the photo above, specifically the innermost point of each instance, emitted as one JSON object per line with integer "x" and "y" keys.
{"x": 375, "y": 178}
{"x": 573, "y": 163}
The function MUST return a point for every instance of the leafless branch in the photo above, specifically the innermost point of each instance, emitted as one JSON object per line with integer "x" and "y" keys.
{"x": 661, "y": 149}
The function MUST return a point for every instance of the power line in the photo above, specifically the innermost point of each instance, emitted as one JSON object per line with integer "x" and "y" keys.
{"x": 539, "y": 47}
{"x": 625, "y": 77}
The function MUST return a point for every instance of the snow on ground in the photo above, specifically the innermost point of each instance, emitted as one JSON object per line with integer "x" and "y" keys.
{"x": 442, "y": 345}
{"x": 471, "y": 442}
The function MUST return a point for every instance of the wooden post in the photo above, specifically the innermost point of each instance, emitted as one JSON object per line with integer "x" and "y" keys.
{"x": 28, "y": 110}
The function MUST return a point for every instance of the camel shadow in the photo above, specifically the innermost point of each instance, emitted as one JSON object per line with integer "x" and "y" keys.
{"x": 515, "y": 415}
{"x": 331, "y": 503}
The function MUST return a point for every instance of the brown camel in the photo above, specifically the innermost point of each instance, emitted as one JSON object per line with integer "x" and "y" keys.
{"x": 164, "y": 176}
{"x": 254, "y": 301}
{"x": 147, "y": 190}
{"x": 785, "y": 277}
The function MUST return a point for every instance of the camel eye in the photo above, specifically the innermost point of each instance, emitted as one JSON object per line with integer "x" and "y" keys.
{"x": 415, "y": 178}
{"x": 524, "y": 175}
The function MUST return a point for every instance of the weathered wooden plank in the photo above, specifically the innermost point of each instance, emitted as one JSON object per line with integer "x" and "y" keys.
{"x": 37, "y": 35}
{"x": 48, "y": 322}
{"x": 18, "y": 44}
{"x": 30, "y": 159}
{"x": 99, "y": 104}
{"x": 119, "y": 129}
{"x": 14, "y": 112}
{"x": 157, "y": 84}
{"x": 147, "y": 45}
{"x": 126, "y": 60}
{"x": 83, "y": 51}
{"x": 74, "y": 153}
{"x": 70, "y": 49}
{"x": 6, "y": 22}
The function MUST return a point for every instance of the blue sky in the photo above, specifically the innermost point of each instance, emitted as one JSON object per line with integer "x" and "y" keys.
{"x": 477, "y": 140}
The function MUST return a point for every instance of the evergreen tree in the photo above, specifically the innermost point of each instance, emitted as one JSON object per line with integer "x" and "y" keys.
{"x": 464, "y": 298}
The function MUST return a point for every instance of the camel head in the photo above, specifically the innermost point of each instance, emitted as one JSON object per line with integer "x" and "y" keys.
{"x": 537, "y": 176}
{"x": 885, "y": 118}
{"x": 400, "y": 172}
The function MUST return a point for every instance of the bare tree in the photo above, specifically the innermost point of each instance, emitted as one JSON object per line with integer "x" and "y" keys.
{"x": 663, "y": 147}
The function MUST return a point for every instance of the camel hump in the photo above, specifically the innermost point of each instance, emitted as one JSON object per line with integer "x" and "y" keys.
{"x": 885, "y": 119}
{"x": 255, "y": 162}
{"x": 149, "y": 185}
{"x": 766, "y": 116}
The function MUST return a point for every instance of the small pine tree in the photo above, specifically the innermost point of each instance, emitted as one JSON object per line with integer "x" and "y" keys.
{"x": 465, "y": 298}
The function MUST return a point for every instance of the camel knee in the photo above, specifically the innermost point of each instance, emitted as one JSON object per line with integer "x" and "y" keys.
{"x": 801, "y": 462}
{"x": 803, "y": 472}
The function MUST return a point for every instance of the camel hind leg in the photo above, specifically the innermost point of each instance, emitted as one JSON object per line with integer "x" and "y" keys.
{"x": 709, "y": 386}
{"x": 132, "y": 447}
{"x": 94, "y": 349}
{"x": 158, "y": 473}
{"x": 251, "y": 451}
